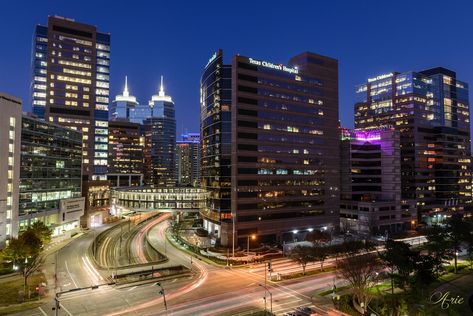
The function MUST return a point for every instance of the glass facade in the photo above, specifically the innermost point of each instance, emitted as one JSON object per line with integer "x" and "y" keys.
{"x": 50, "y": 168}
{"x": 266, "y": 132}
{"x": 431, "y": 110}
{"x": 160, "y": 141}
{"x": 70, "y": 85}
{"x": 215, "y": 131}
{"x": 160, "y": 198}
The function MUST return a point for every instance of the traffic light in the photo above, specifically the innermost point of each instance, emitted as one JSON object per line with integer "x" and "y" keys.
{"x": 270, "y": 267}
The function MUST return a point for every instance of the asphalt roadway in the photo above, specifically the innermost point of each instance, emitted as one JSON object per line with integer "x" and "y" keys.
{"x": 211, "y": 290}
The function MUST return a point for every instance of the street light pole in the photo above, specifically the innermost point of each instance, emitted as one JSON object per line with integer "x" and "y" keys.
{"x": 270, "y": 298}
{"x": 163, "y": 294}
{"x": 248, "y": 244}
{"x": 233, "y": 236}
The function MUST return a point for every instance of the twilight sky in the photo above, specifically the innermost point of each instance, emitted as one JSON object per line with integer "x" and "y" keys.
{"x": 176, "y": 38}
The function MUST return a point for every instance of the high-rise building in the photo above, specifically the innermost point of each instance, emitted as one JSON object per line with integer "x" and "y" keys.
{"x": 216, "y": 142}
{"x": 126, "y": 142}
{"x": 160, "y": 140}
{"x": 123, "y": 104}
{"x": 370, "y": 173}
{"x": 50, "y": 175}
{"x": 10, "y": 135}
{"x": 125, "y": 155}
{"x": 430, "y": 109}
{"x": 188, "y": 160}
{"x": 283, "y": 141}
{"x": 70, "y": 85}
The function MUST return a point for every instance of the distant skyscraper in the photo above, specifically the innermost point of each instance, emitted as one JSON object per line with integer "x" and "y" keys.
{"x": 279, "y": 126}
{"x": 430, "y": 109}
{"x": 123, "y": 104}
{"x": 50, "y": 175}
{"x": 70, "y": 85}
{"x": 160, "y": 140}
{"x": 188, "y": 160}
{"x": 10, "y": 135}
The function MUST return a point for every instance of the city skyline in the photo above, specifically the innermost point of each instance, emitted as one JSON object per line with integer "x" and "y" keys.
{"x": 352, "y": 26}
{"x": 212, "y": 158}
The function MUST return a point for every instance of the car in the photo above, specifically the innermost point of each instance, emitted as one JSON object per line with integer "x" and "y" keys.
{"x": 304, "y": 310}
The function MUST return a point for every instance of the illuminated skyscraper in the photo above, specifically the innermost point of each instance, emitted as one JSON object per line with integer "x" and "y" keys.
{"x": 270, "y": 147}
{"x": 160, "y": 140}
{"x": 430, "y": 109}
{"x": 123, "y": 104}
{"x": 70, "y": 85}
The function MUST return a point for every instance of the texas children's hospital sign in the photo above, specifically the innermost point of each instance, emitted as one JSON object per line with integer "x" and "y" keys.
{"x": 268, "y": 64}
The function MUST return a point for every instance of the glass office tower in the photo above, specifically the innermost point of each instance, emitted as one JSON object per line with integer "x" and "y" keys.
{"x": 279, "y": 123}
{"x": 160, "y": 141}
{"x": 216, "y": 142}
{"x": 430, "y": 109}
{"x": 70, "y": 85}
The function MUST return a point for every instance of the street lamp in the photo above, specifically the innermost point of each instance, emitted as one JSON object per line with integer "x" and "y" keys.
{"x": 270, "y": 298}
{"x": 163, "y": 294}
{"x": 253, "y": 237}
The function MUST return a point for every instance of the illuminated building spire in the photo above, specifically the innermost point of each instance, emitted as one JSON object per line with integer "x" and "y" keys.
{"x": 161, "y": 96}
{"x": 161, "y": 88}
{"x": 125, "y": 91}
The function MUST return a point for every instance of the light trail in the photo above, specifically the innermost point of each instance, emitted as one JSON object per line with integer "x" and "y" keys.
{"x": 139, "y": 239}
{"x": 201, "y": 279}
{"x": 92, "y": 271}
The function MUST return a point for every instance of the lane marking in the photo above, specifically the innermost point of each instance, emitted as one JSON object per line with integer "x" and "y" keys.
{"x": 42, "y": 311}
{"x": 65, "y": 309}
{"x": 132, "y": 288}
{"x": 70, "y": 275}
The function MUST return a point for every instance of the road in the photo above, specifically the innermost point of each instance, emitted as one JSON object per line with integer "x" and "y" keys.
{"x": 211, "y": 291}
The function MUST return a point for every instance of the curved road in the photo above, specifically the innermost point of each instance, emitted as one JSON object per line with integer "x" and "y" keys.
{"x": 212, "y": 291}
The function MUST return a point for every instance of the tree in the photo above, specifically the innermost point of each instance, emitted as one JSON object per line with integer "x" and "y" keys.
{"x": 423, "y": 269}
{"x": 42, "y": 231}
{"x": 320, "y": 254}
{"x": 439, "y": 247}
{"x": 458, "y": 232}
{"x": 398, "y": 258}
{"x": 25, "y": 252}
{"x": 302, "y": 255}
{"x": 360, "y": 272}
